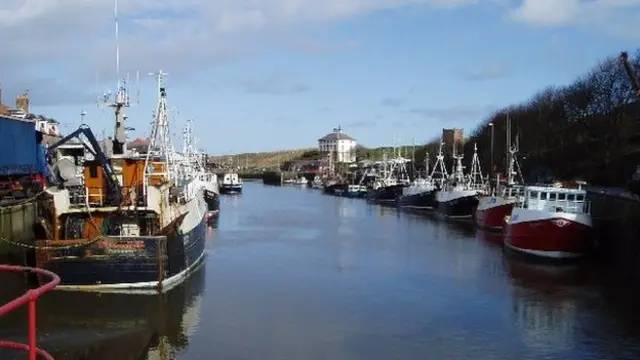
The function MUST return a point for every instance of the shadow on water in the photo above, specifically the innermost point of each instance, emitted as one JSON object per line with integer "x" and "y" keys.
{"x": 82, "y": 325}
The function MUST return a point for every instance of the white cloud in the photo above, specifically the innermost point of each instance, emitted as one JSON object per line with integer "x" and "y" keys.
{"x": 603, "y": 14}
{"x": 76, "y": 37}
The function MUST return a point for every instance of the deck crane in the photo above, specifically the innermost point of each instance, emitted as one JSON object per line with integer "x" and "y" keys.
{"x": 114, "y": 195}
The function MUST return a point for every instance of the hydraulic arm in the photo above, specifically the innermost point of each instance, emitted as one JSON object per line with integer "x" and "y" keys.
{"x": 115, "y": 190}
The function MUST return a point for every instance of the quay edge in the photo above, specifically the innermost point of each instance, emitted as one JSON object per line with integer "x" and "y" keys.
{"x": 615, "y": 214}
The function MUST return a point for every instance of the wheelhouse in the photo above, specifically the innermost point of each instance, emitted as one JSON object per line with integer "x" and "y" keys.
{"x": 554, "y": 199}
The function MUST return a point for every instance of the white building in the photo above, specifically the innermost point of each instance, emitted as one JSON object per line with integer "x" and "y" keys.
{"x": 341, "y": 146}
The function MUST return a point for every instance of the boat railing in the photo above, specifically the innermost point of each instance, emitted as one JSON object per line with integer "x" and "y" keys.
{"x": 29, "y": 298}
{"x": 478, "y": 186}
{"x": 97, "y": 196}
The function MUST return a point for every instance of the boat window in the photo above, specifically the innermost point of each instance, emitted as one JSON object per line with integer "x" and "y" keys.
{"x": 570, "y": 197}
{"x": 552, "y": 196}
{"x": 93, "y": 171}
{"x": 543, "y": 196}
{"x": 561, "y": 197}
{"x": 533, "y": 194}
{"x": 580, "y": 197}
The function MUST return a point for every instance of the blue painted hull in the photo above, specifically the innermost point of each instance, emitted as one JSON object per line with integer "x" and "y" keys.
{"x": 134, "y": 263}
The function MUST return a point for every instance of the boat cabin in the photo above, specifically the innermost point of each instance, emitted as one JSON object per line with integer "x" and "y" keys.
{"x": 131, "y": 176}
{"x": 231, "y": 178}
{"x": 555, "y": 199}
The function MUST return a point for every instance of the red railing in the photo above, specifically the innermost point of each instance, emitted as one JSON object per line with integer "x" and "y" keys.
{"x": 28, "y": 298}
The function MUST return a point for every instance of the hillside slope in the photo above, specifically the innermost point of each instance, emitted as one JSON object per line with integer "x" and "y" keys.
{"x": 271, "y": 160}
{"x": 264, "y": 160}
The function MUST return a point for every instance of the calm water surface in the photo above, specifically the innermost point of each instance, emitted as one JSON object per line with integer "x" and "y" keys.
{"x": 294, "y": 274}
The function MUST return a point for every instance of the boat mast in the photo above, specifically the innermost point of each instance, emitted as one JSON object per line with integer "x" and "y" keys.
{"x": 440, "y": 168}
{"x": 160, "y": 139}
{"x": 476, "y": 170}
{"x": 121, "y": 98}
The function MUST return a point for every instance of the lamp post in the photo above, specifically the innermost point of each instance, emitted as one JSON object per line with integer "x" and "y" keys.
{"x": 491, "y": 154}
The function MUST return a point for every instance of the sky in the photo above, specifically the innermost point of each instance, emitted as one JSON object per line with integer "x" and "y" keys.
{"x": 261, "y": 75}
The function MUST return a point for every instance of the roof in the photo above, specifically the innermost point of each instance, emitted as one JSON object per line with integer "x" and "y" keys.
{"x": 139, "y": 141}
{"x": 336, "y": 135}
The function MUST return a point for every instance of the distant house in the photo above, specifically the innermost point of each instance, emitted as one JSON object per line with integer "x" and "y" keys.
{"x": 340, "y": 146}
{"x": 139, "y": 145}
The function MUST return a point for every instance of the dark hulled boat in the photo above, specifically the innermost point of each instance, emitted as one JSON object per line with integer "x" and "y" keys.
{"x": 213, "y": 203}
{"x": 459, "y": 198}
{"x": 131, "y": 224}
{"x": 388, "y": 188}
{"x": 420, "y": 195}
{"x": 457, "y": 202}
{"x": 385, "y": 192}
{"x": 230, "y": 183}
{"x": 355, "y": 191}
{"x": 335, "y": 188}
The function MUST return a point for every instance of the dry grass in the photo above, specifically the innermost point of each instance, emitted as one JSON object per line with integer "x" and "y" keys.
{"x": 260, "y": 160}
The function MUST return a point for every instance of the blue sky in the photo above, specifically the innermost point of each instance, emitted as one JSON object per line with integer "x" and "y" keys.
{"x": 279, "y": 74}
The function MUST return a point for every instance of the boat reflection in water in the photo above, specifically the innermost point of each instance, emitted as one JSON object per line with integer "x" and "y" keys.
{"x": 83, "y": 325}
{"x": 491, "y": 237}
{"x": 545, "y": 305}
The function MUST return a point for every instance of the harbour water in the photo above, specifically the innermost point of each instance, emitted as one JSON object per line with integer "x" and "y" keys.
{"x": 294, "y": 274}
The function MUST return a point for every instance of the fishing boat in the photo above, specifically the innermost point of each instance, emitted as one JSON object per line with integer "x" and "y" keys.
{"x": 355, "y": 191}
{"x": 317, "y": 182}
{"x": 230, "y": 183}
{"x": 421, "y": 194}
{"x": 302, "y": 181}
{"x": 388, "y": 188}
{"x": 459, "y": 197}
{"x": 492, "y": 210}
{"x": 132, "y": 224}
{"x": 551, "y": 221}
{"x": 335, "y": 187}
{"x": 192, "y": 169}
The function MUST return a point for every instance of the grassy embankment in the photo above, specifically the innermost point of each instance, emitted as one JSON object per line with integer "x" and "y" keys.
{"x": 254, "y": 164}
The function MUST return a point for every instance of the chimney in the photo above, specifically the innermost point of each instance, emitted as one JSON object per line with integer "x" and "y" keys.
{"x": 22, "y": 102}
